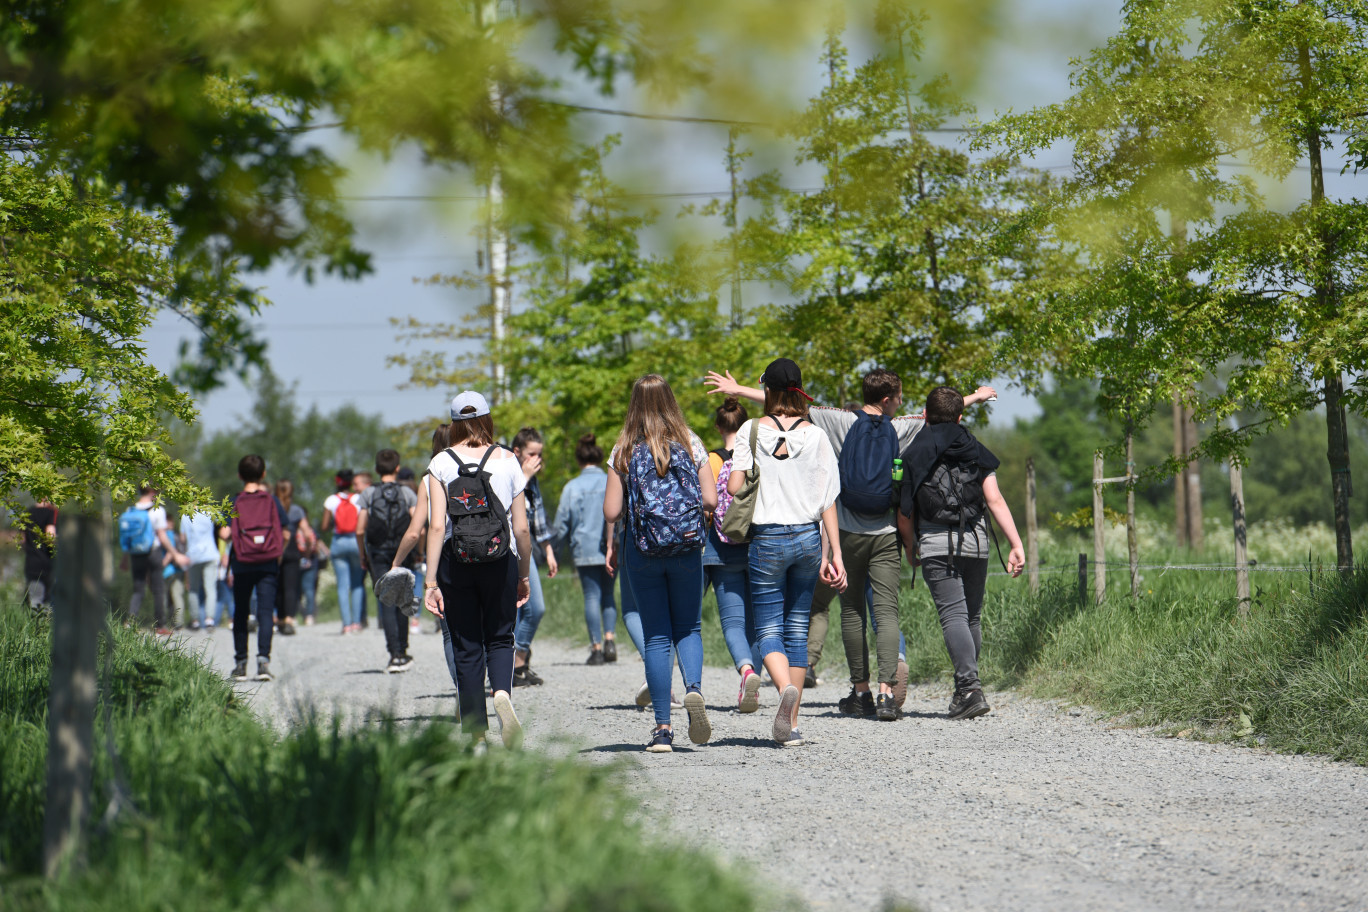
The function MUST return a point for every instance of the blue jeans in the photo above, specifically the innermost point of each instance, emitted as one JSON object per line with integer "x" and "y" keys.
{"x": 669, "y": 598}
{"x": 308, "y": 587}
{"x": 785, "y": 562}
{"x": 731, "y": 582}
{"x": 530, "y": 614}
{"x": 351, "y": 582}
{"x": 600, "y": 613}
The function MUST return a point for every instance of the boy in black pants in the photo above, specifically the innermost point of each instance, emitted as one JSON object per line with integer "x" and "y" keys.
{"x": 384, "y": 513}
{"x": 950, "y": 487}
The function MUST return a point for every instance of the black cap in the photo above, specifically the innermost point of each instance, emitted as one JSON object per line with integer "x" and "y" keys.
{"x": 405, "y": 474}
{"x": 782, "y": 374}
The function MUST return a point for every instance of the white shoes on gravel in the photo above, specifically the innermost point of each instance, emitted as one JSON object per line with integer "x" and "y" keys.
{"x": 510, "y": 729}
{"x": 700, "y": 729}
{"x": 643, "y": 697}
{"x": 783, "y": 720}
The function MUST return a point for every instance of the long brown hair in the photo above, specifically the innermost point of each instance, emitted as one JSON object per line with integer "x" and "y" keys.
{"x": 439, "y": 438}
{"x": 284, "y": 492}
{"x": 470, "y": 431}
{"x": 653, "y": 416}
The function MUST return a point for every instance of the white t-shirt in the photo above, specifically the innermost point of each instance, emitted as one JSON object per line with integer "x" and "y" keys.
{"x": 794, "y": 490}
{"x": 506, "y": 480}
{"x": 334, "y": 499}
{"x": 198, "y": 532}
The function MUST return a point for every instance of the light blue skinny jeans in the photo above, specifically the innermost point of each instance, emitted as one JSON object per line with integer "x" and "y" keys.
{"x": 351, "y": 582}
{"x": 785, "y": 562}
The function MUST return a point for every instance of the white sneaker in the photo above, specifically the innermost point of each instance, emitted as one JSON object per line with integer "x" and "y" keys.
{"x": 643, "y": 697}
{"x": 510, "y": 729}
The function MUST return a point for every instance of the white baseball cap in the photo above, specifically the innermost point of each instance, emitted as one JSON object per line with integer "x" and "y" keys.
{"x": 466, "y": 400}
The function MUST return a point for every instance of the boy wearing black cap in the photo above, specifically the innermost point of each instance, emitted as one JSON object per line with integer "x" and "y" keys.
{"x": 950, "y": 488}
{"x": 869, "y": 538}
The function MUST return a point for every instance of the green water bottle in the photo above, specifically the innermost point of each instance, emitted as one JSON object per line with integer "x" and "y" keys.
{"x": 897, "y": 470}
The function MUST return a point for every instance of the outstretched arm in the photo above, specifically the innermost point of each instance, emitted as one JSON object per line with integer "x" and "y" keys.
{"x": 726, "y": 384}
{"x": 982, "y": 394}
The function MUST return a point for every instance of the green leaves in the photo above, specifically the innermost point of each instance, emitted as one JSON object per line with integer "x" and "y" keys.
{"x": 80, "y": 408}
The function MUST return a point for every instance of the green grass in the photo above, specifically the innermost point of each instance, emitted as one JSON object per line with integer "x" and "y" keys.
{"x": 1292, "y": 674}
{"x": 227, "y": 814}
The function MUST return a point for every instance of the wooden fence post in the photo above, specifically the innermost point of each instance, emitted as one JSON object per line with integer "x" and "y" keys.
{"x": 1032, "y": 546}
{"x": 84, "y": 566}
{"x": 1237, "y": 506}
{"x": 1099, "y": 533}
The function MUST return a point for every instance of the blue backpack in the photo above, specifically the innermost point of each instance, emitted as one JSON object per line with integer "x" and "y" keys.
{"x": 136, "y": 535}
{"x": 866, "y": 465}
{"x": 666, "y": 512}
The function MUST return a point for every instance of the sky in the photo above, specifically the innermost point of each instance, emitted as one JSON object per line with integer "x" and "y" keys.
{"x": 331, "y": 339}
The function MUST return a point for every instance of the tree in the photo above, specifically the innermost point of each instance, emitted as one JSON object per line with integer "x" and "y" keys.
{"x": 895, "y": 261}
{"x": 180, "y": 136}
{"x": 80, "y": 407}
{"x": 1272, "y": 300}
{"x": 598, "y": 313}
{"x": 308, "y": 448}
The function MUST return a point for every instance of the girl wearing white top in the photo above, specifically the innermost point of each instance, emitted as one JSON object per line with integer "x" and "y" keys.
{"x": 478, "y": 602}
{"x": 793, "y": 533}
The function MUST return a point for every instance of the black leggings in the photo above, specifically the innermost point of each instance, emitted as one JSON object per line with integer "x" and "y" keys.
{"x": 147, "y": 568}
{"x": 480, "y": 602}
{"x": 287, "y": 601}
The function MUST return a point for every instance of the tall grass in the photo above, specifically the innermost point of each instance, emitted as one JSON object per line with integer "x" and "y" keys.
{"x": 1291, "y": 674}
{"x": 222, "y": 813}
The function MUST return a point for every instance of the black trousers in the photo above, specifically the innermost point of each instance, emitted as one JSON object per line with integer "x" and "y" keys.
{"x": 148, "y": 573}
{"x": 392, "y": 619}
{"x": 481, "y": 607}
{"x": 288, "y": 591}
{"x": 262, "y": 578}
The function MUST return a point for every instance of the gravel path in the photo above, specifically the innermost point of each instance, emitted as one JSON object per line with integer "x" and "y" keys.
{"x": 1029, "y": 807}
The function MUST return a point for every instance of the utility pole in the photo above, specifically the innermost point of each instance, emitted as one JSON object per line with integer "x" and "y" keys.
{"x": 731, "y": 221}
{"x": 496, "y": 237}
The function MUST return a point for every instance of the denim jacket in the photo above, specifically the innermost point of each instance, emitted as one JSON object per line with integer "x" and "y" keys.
{"x": 579, "y": 517}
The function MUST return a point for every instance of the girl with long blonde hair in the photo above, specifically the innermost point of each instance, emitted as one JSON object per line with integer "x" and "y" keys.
{"x": 661, "y": 484}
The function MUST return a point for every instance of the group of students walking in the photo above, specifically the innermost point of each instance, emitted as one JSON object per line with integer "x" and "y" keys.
{"x": 799, "y": 501}
{"x": 798, "y": 497}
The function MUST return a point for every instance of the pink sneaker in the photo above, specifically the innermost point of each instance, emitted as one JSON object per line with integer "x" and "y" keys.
{"x": 748, "y": 698}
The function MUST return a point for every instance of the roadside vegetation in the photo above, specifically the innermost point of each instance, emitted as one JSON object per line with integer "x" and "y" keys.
{"x": 216, "y": 810}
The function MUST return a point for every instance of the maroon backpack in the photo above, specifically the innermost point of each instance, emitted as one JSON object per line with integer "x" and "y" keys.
{"x": 257, "y": 536}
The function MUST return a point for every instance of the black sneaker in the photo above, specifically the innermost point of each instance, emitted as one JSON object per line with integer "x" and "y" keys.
{"x": 240, "y": 671}
{"x": 886, "y": 708}
{"x": 610, "y": 650}
{"x": 264, "y": 670}
{"x": 526, "y": 677}
{"x": 809, "y": 679}
{"x": 857, "y": 704}
{"x": 662, "y": 741}
{"x": 595, "y": 657}
{"x": 968, "y": 704}
{"x": 398, "y": 664}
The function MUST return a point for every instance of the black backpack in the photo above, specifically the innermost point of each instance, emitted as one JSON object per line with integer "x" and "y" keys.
{"x": 479, "y": 521}
{"x": 952, "y": 494}
{"x": 387, "y": 518}
{"x": 866, "y": 464}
